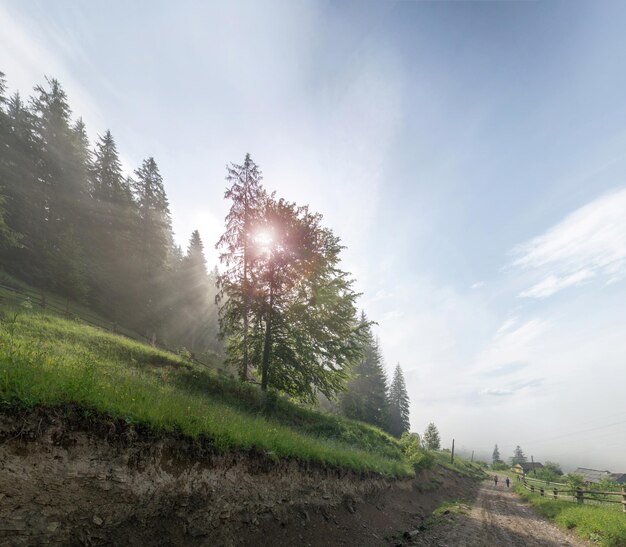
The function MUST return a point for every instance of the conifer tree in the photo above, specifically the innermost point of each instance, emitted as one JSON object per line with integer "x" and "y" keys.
{"x": 246, "y": 193}
{"x": 365, "y": 398}
{"x": 495, "y": 457}
{"x": 518, "y": 456}
{"x": 398, "y": 404}
{"x": 114, "y": 230}
{"x": 155, "y": 243}
{"x": 431, "y": 438}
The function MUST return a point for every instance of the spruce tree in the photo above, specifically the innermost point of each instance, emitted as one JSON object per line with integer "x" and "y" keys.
{"x": 114, "y": 231}
{"x": 495, "y": 457}
{"x": 365, "y": 398}
{"x": 398, "y": 404}
{"x": 431, "y": 438}
{"x": 236, "y": 291}
{"x": 155, "y": 245}
{"x": 518, "y": 456}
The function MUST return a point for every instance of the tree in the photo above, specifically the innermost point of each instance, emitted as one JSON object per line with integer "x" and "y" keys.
{"x": 195, "y": 314}
{"x": 398, "y": 404}
{"x": 365, "y": 398}
{"x": 518, "y": 456}
{"x": 431, "y": 437}
{"x": 246, "y": 193}
{"x": 114, "y": 233}
{"x": 155, "y": 243}
{"x": 495, "y": 458}
{"x": 305, "y": 303}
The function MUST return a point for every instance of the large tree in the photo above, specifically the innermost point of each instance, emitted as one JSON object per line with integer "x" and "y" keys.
{"x": 113, "y": 233}
{"x": 365, "y": 398}
{"x": 236, "y": 292}
{"x": 155, "y": 244}
{"x": 398, "y": 404}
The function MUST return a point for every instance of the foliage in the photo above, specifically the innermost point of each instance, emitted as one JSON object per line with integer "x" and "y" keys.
{"x": 574, "y": 481}
{"x": 415, "y": 454}
{"x": 71, "y": 222}
{"x": 398, "y": 404}
{"x": 604, "y": 525}
{"x": 365, "y": 398}
{"x": 431, "y": 437}
{"x": 500, "y": 466}
{"x": 550, "y": 472}
{"x": 518, "y": 456}
{"x": 495, "y": 457}
{"x": 292, "y": 315}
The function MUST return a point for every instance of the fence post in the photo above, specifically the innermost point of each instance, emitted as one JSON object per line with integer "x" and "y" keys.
{"x": 579, "y": 495}
{"x": 43, "y": 300}
{"x": 555, "y": 493}
{"x": 624, "y": 499}
{"x": 541, "y": 492}
{"x": 532, "y": 487}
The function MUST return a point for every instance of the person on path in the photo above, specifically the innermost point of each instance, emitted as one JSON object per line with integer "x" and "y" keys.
{"x": 507, "y": 482}
{"x": 495, "y": 480}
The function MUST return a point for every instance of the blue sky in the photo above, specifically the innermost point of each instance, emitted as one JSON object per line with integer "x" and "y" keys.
{"x": 470, "y": 155}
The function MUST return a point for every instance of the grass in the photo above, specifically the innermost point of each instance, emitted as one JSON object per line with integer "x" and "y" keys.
{"x": 460, "y": 465}
{"x": 604, "y": 525}
{"x": 46, "y": 360}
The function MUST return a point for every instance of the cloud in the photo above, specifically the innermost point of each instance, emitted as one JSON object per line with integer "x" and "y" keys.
{"x": 504, "y": 369}
{"x": 589, "y": 243}
{"x": 478, "y": 285}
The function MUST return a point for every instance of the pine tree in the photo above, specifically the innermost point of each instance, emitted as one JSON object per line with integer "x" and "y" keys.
{"x": 495, "y": 458}
{"x": 365, "y": 398}
{"x": 25, "y": 207}
{"x": 518, "y": 456}
{"x": 64, "y": 187}
{"x": 246, "y": 193}
{"x": 155, "y": 245}
{"x": 113, "y": 232}
{"x": 195, "y": 304}
{"x": 398, "y": 404}
{"x": 431, "y": 438}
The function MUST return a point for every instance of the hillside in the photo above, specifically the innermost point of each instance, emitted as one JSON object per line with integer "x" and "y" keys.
{"x": 117, "y": 439}
{"x": 46, "y": 360}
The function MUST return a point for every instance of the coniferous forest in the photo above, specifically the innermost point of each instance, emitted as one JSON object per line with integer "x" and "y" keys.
{"x": 279, "y": 308}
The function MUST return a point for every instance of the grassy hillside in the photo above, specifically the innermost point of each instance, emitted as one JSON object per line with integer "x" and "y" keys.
{"x": 604, "y": 525}
{"x": 51, "y": 361}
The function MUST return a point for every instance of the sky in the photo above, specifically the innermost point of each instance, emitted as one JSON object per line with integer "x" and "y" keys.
{"x": 469, "y": 154}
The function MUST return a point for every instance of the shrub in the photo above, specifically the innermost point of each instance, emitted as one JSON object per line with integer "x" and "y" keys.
{"x": 500, "y": 466}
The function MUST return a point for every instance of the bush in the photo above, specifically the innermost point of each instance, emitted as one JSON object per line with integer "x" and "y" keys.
{"x": 500, "y": 466}
{"x": 417, "y": 456}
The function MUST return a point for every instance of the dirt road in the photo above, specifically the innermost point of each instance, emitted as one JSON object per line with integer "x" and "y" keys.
{"x": 498, "y": 517}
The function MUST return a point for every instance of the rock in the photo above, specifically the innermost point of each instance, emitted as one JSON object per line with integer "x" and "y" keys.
{"x": 326, "y": 496}
{"x": 412, "y": 534}
{"x": 97, "y": 520}
{"x": 52, "y": 527}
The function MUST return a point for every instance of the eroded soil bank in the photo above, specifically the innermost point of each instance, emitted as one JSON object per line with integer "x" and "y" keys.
{"x": 69, "y": 480}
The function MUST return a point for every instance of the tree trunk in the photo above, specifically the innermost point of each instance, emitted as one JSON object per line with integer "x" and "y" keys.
{"x": 267, "y": 345}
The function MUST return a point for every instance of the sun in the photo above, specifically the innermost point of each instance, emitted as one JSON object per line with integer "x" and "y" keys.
{"x": 264, "y": 238}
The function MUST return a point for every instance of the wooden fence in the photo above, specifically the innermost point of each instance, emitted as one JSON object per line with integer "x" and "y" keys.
{"x": 68, "y": 309}
{"x": 578, "y": 495}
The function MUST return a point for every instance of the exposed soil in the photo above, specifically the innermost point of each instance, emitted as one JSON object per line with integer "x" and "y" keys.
{"x": 70, "y": 480}
{"x": 497, "y": 517}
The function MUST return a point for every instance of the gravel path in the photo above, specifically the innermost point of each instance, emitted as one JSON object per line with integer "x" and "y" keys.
{"x": 497, "y": 517}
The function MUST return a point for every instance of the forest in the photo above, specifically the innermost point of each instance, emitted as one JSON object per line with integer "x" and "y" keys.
{"x": 279, "y": 309}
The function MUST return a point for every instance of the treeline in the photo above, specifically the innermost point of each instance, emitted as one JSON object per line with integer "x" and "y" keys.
{"x": 281, "y": 309}
{"x": 72, "y": 222}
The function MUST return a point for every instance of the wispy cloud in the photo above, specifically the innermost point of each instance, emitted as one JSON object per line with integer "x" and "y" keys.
{"x": 589, "y": 243}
